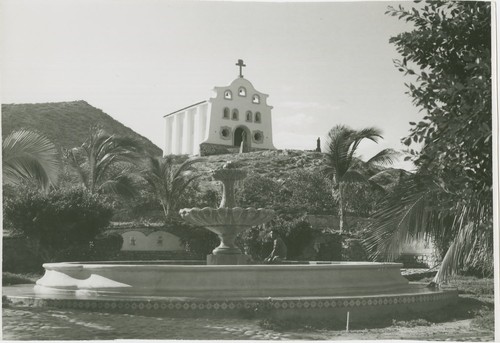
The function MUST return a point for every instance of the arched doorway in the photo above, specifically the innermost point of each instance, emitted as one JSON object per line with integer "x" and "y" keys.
{"x": 238, "y": 136}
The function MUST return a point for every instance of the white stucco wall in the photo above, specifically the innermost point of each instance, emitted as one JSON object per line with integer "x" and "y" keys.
{"x": 186, "y": 129}
{"x": 242, "y": 104}
{"x": 204, "y": 122}
{"x": 155, "y": 241}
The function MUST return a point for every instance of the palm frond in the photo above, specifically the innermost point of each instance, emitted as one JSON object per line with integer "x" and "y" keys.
{"x": 472, "y": 246}
{"x": 169, "y": 179}
{"x": 103, "y": 153}
{"x": 187, "y": 166}
{"x": 122, "y": 185}
{"x": 353, "y": 176}
{"x": 417, "y": 210}
{"x": 371, "y": 133}
{"x": 376, "y": 185}
{"x": 181, "y": 183}
{"x": 77, "y": 162}
{"x": 403, "y": 217}
{"x": 29, "y": 155}
{"x": 338, "y": 153}
{"x": 384, "y": 157}
{"x": 342, "y": 144}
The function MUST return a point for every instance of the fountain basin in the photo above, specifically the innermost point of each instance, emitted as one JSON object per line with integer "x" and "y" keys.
{"x": 314, "y": 290}
{"x": 226, "y": 223}
{"x": 208, "y": 281}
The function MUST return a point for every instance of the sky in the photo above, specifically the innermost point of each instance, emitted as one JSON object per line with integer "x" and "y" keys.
{"x": 322, "y": 64}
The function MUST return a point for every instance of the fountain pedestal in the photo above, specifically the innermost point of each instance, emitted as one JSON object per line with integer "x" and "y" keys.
{"x": 234, "y": 259}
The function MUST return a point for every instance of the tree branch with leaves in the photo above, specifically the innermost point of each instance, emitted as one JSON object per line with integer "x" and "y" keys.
{"x": 448, "y": 58}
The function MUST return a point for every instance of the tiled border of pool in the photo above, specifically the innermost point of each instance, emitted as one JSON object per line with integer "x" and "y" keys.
{"x": 199, "y": 307}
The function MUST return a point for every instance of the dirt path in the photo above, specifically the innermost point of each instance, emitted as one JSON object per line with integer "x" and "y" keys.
{"x": 24, "y": 323}
{"x": 452, "y": 331}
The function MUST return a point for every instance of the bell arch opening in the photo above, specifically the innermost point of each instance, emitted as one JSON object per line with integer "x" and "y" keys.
{"x": 240, "y": 133}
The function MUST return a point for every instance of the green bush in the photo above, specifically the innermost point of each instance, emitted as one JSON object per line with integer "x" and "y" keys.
{"x": 301, "y": 192}
{"x": 197, "y": 241}
{"x": 353, "y": 250}
{"x": 299, "y": 234}
{"x": 102, "y": 248}
{"x": 59, "y": 224}
{"x": 296, "y": 233}
{"x": 18, "y": 256}
{"x": 9, "y": 279}
{"x": 107, "y": 247}
{"x": 255, "y": 242}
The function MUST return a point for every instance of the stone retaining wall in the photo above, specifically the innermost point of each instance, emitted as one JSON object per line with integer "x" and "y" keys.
{"x": 207, "y": 149}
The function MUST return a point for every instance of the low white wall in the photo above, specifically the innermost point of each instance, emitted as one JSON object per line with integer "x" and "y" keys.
{"x": 155, "y": 241}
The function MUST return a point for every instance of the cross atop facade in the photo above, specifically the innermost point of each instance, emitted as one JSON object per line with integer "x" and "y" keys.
{"x": 241, "y": 65}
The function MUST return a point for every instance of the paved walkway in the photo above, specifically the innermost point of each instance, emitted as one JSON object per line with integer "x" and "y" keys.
{"x": 27, "y": 323}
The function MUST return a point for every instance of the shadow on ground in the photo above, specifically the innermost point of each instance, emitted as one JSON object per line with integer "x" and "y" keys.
{"x": 465, "y": 308}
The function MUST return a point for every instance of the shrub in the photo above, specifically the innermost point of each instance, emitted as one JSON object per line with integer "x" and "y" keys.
{"x": 102, "y": 248}
{"x": 61, "y": 222}
{"x": 197, "y": 241}
{"x": 9, "y": 279}
{"x": 299, "y": 234}
{"x": 296, "y": 233}
{"x": 19, "y": 257}
{"x": 255, "y": 242}
{"x": 106, "y": 247}
{"x": 293, "y": 196}
{"x": 353, "y": 250}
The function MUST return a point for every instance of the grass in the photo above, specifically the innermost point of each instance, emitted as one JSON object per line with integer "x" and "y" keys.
{"x": 484, "y": 319}
{"x": 9, "y": 279}
{"x": 473, "y": 286}
{"x": 476, "y": 302}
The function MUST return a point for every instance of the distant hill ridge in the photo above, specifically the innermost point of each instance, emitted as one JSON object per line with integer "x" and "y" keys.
{"x": 66, "y": 124}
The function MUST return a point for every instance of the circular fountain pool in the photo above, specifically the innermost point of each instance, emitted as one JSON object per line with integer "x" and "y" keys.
{"x": 317, "y": 289}
{"x": 208, "y": 281}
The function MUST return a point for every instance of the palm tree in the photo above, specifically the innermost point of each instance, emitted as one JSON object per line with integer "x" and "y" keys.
{"x": 341, "y": 163}
{"x": 168, "y": 180}
{"x": 422, "y": 208}
{"x": 29, "y": 156}
{"x": 103, "y": 162}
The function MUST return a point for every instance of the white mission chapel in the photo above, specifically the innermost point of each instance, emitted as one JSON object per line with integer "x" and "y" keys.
{"x": 219, "y": 125}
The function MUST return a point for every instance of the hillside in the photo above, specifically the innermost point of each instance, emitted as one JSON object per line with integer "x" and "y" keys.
{"x": 66, "y": 124}
{"x": 277, "y": 164}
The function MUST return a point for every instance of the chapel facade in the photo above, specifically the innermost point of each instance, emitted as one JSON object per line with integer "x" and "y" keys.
{"x": 237, "y": 115}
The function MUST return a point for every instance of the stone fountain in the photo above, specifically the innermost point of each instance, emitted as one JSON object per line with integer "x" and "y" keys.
{"x": 227, "y": 221}
{"x": 226, "y": 284}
